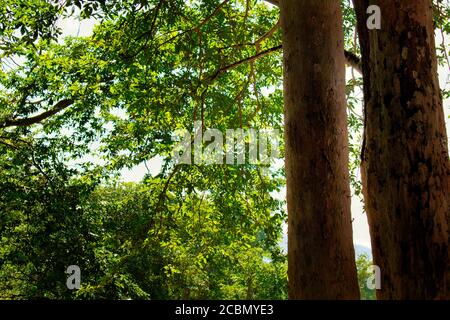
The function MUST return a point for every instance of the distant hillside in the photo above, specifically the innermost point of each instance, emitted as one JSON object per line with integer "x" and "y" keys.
{"x": 362, "y": 249}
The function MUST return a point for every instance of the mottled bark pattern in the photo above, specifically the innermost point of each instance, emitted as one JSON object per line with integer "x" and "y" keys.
{"x": 320, "y": 248}
{"x": 405, "y": 170}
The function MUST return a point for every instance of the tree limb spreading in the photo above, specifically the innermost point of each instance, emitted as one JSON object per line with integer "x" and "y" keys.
{"x": 238, "y": 63}
{"x": 351, "y": 59}
{"x": 24, "y": 122}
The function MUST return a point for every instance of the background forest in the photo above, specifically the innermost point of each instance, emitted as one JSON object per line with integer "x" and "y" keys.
{"x": 76, "y": 111}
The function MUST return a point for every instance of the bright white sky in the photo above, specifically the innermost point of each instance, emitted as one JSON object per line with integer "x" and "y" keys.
{"x": 360, "y": 227}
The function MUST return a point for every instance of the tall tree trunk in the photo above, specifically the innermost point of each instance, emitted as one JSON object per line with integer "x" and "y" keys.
{"x": 405, "y": 163}
{"x": 320, "y": 248}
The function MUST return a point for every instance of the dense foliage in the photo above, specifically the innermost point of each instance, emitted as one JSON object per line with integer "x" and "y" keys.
{"x": 74, "y": 111}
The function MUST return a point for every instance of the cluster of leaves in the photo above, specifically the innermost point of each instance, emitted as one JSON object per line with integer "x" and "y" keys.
{"x": 190, "y": 247}
{"x": 113, "y": 100}
{"x": 191, "y": 231}
{"x": 365, "y": 276}
{"x": 43, "y": 228}
{"x": 183, "y": 236}
{"x": 23, "y": 23}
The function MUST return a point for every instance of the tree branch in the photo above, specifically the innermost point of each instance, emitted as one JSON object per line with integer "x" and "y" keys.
{"x": 351, "y": 59}
{"x": 24, "y": 122}
{"x": 238, "y": 63}
{"x": 268, "y": 34}
{"x": 212, "y": 14}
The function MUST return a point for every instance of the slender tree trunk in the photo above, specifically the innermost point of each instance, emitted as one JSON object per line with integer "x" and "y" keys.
{"x": 321, "y": 253}
{"x": 405, "y": 163}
